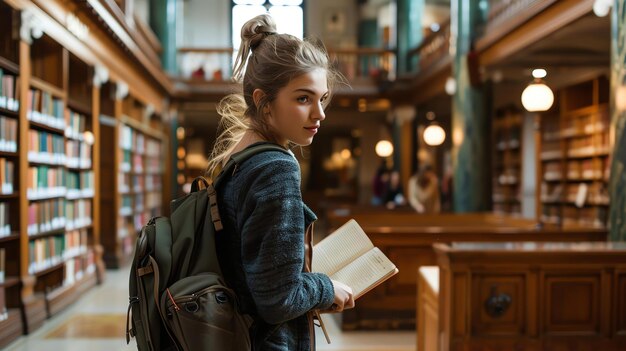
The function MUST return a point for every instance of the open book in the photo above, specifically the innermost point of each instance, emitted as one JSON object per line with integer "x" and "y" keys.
{"x": 348, "y": 255}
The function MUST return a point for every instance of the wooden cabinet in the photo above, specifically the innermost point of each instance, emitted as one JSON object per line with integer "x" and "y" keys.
{"x": 526, "y": 295}
{"x": 407, "y": 239}
{"x": 575, "y": 156}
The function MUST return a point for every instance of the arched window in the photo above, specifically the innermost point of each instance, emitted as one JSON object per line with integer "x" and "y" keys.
{"x": 288, "y": 14}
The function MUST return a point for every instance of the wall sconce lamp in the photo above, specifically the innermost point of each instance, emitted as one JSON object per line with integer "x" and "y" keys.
{"x": 434, "y": 135}
{"x": 537, "y": 96}
{"x": 384, "y": 148}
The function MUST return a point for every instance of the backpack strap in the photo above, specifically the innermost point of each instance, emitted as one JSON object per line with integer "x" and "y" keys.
{"x": 229, "y": 169}
{"x": 195, "y": 185}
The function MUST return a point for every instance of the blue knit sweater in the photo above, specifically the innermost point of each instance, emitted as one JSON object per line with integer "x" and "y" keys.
{"x": 262, "y": 251}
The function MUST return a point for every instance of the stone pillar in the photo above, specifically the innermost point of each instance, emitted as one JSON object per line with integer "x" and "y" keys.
{"x": 163, "y": 23}
{"x": 469, "y": 114}
{"x": 617, "y": 181}
{"x": 409, "y": 14}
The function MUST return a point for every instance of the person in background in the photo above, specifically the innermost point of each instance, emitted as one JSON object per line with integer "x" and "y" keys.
{"x": 264, "y": 250}
{"x": 423, "y": 191}
{"x": 380, "y": 185}
{"x": 394, "y": 195}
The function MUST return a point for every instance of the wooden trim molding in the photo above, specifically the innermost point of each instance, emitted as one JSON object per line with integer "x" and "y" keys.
{"x": 99, "y": 47}
{"x": 561, "y": 13}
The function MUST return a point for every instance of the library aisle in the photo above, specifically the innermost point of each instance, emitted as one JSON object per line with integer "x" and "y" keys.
{"x": 97, "y": 322}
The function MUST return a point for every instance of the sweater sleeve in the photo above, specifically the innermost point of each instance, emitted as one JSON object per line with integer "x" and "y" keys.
{"x": 273, "y": 245}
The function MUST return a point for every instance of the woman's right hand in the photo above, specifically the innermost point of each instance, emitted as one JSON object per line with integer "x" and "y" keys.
{"x": 343, "y": 297}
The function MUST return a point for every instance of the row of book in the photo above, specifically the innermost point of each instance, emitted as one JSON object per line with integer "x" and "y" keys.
{"x": 153, "y": 148}
{"x": 76, "y": 268}
{"x": 131, "y": 140}
{"x": 45, "y": 147}
{"x": 5, "y": 220}
{"x": 79, "y": 184}
{"x": 153, "y": 200}
{"x": 7, "y": 176}
{"x": 583, "y": 169}
{"x": 78, "y": 154}
{"x": 78, "y": 214}
{"x": 45, "y": 182}
{"x": 9, "y": 92}
{"x": 45, "y": 216}
{"x": 153, "y": 182}
{"x": 45, "y": 253}
{"x": 46, "y": 109}
{"x": 8, "y": 134}
{"x": 579, "y": 194}
{"x": 76, "y": 126}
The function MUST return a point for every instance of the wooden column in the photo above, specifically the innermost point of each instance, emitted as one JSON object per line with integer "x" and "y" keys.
{"x": 469, "y": 115}
{"x": 617, "y": 182}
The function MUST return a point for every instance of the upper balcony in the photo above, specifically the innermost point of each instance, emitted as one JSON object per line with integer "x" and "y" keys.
{"x": 206, "y": 72}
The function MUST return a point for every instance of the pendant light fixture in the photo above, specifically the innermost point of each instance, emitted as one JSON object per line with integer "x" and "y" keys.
{"x": 434, "y": 135}
{"x": 537, "y": 96}
{"x": 384, "y": 148}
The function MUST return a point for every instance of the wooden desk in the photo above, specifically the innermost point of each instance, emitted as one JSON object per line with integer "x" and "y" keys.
{"x": 529, "y": 296}
{"x": 391, "y": 306}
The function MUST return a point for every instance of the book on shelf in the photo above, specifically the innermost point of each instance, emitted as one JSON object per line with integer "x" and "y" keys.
{"x": 2, "y": 266}
{"x": 5, "y": 222}
{"x": 8, "y": 134}
{"x": 9, "y": 99}
{"x": 349, "y": 256}
{"x": 7, "y": 176}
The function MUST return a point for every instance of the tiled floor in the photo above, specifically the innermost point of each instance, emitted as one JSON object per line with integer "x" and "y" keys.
{"x": 97, "y": 322}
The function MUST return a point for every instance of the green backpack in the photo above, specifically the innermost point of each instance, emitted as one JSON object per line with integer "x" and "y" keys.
{"x": 178, "y": 298}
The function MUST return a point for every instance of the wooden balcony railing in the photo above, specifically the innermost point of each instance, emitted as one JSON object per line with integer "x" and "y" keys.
{"x": 432, "y": 49}
{"x": 215, "y": 64}
{"x": 208, "y": 64}
{"x": 506, "y": 15}
{"x": 364, "y": 63}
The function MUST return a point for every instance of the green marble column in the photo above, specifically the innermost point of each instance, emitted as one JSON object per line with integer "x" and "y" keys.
{"x": 409, "y": 13}
{"x": 617, "y": 182}
{"x": 470, "y": 119}
{"x": 163, "y": 23}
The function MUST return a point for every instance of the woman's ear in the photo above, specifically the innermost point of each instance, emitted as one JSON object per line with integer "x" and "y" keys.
{"x": 257, "y": 95}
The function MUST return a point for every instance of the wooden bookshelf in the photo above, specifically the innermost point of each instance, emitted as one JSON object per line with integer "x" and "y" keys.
{"x": 61, "y": 133}
{"x": 11, "y": 320}
{"x": 574, "y": 156}
{"x": 51, "y": 153}
{"x": 134, "y": 172}
{"x": 507, "y": 161}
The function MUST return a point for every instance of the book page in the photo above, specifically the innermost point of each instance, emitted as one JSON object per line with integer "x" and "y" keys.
{"x": 366, "y": 272}
{"x": 339, "y": 248}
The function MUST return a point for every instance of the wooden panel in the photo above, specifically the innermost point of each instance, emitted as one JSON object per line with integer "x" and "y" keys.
{"x": 408, "y": 260}
{"x": 572, "y": 304}
{"x": 498, "y": 304}
{"x": 10, "y": 328}
{"x": 621, "y": 304}
{"x": 427, "y": 310}
{"x": 459, "y": 306}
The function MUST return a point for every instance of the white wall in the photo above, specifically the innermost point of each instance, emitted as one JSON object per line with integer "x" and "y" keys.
{"x": 317, "y": 17}
{"x": 206, "y": 23}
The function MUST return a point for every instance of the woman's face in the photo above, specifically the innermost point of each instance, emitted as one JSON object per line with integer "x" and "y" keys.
{"x": 297, "y": 111}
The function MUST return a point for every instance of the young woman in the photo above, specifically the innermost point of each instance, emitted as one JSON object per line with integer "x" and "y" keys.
{"x": 263, "y": 253}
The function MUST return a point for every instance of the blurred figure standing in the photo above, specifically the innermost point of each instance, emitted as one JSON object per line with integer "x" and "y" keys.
{"x": 423, "y": 191}
{"x": 395, "y": 194}
{"x": 380, "y": 185}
